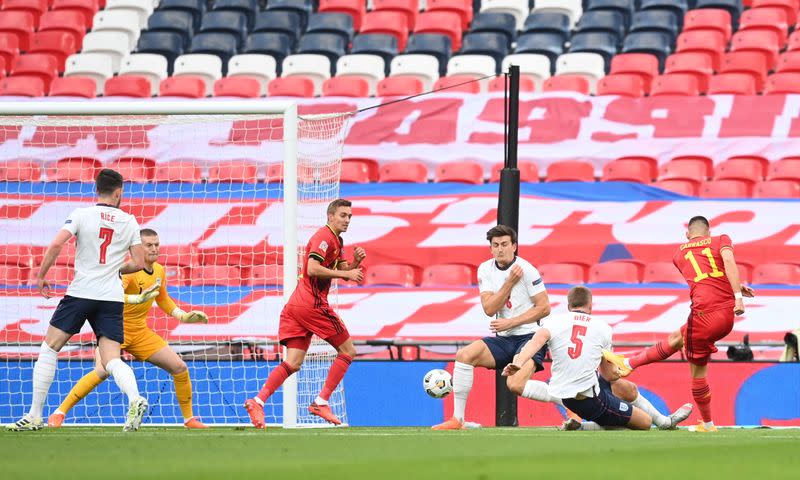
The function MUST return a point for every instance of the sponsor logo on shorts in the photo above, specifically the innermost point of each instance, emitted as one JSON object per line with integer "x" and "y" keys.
{"x": 623, "y": 407}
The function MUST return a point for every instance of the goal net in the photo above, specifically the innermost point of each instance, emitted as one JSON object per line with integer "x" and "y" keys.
{"x": 234, "y": 191}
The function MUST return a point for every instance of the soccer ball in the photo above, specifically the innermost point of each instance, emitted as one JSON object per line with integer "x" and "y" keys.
{"x": 437, "y": 383}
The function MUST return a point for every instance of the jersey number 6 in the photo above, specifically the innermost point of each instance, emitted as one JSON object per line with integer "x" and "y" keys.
{"x": 105, "y": 234}
{"x": 578, "y": 331}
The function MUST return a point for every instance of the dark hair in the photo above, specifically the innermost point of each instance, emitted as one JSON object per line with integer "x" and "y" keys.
{"x": 699, "y": 219}
{"x": 339, "y": 202}
{"x": 502, "y": 231}
{"x": 147, "y": 232}
{"x": 579, "y": 296}
{"x": 107, "y": 181}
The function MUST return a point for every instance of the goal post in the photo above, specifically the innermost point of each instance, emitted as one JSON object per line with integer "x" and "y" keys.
{"x": 309, "y": 152}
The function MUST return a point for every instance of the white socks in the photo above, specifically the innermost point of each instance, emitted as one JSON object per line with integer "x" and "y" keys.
{"x": 659, "y": 420}
{"x": 124, "y": 377}
{"x": 320, "y": 401}
{"x": 462, "y": 384}
{"x": 537, "y": 390}
{"x": 44, "y": 370}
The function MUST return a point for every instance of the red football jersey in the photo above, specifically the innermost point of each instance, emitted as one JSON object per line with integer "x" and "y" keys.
{"x": 325, "y": 247}
{"x": 700, "y": 262}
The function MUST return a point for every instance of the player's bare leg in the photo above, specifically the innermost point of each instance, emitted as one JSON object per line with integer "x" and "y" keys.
{"x": 476, "y": 354}
{"x": 292, "y": 363}
{"x": 701, "y": 393}
{"x": 656, "y": 353}
{"x": 521, "y": 384}
{"x": 172, "y": 363}
{"x": 320, "y": 407}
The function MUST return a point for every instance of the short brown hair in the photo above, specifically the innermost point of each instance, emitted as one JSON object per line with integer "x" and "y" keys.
{"x": 579, "y": 296}
{"x": 339, "y": 202}
{"x": 502, "y": 231}
{"x": 147, "y": 232}
{"x": 107, "y": 181}
{"x": 701, "y": 220}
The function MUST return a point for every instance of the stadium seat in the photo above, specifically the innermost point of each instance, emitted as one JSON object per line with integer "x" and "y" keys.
{"x": 93, "y": 65}
{"x": 233, "y": 171}
{"x": 314, "y": 66}
{"x": 433, "y": 44}
{"x": 495, "y": 22}
{"x": 528, "y": 172}
{"x": 459, "y": 172}
{"x": 384, "y": 46}
{"x": 732, "y": 83}
{"x": 695, "y": 171}
{"x": 370, "y": 68}
{"x": 476, "y": 66}
{"x": 406, "y": 8}
{"x": 570, "y": 171}
{"x": 148, "y": 65}
{"x": 19, "y": 170}
{"x": 38, "y": 65}
{"x": 201, "y": 65}
{"x": 707, "y": 41}
{"x": 491, "y": 44}
{"x": 283, "y": 22}
{"x": 406, "y": 171}
{"x": 58, "y": 44}
{"x": 549, "y": 44}
{"x": 615, "y": 272}
{"x": 627, "y": 170}
{"x": 345, "y": 87}
{"x": 726, "y": 189}
{"x": 625, "y": 84}
{"x": 34, "y": 7}
{"x": 624, "y": 7}
{"x": 572, "y": 8}
{"x": 733, "y": 7}
{"x": 296, "y": 86}
{"x": 247, "y": 7}
{"x": 19, "y": 255}
{"x": 240, "y": 86}
{"x": 651, "y": 163}
{"x": 448, "y": 274}
{"x": 782, "y": 83}
{"x": 662, "y": 272}
{"x": 330, "y": 45}
{"x": 603, "y": 44}
{"x": 706, "y": 161}
{"x": 194, "y": 7}
{"x": 336, "y": 23}
{"x": 303, "y": 7}
{"x": 564, "y": 273}
{"x": 9, "y": 49}
{"x": 60, "y": 275}
{"x": 534, "y": 69}
{"x": 387, "y": 23}
{"x": 355, "y": 8}
{"x": 372, "y": 166}
{"x": 399, "y": 86}
{"x": 643, "y": 65}
{"x": 19, "y": 24}
{"x": 745, "y": 272}
{"x": 777, "y": 189}
{"x": 751, "y": 63}
{"x": 743, "y": 169}
{"x": 463, "y": 9}
{"x": 185, "y": 171}
{"x": 135, "y": 169}
{"x": 776, "y": 274}
{"x": 603, "y": 21}
{"x": 215, "y": 275}
{"x": 789, "y": 7}
{"x": 74, "y": 169}
{"x": 757, "y": 41}
{"x": 654, "y": 43}
{"x": 276, "y": 45}
{"x": 789, "y": 62}
{"x": 172, "y": 21}
{"x": 265, "y": 275}
{"x": 587, "y": 64}
{"x": 458, "y": 83}
{"x": 355, "y": 172}
{"x": 696, "y": 64}
{"x": 167, "y": 44}
{"x": 221, "y": 45}
{"x": 422, "y": 67}
{"x": 142, "y": 8}
{"x": 67, "y": 255}
{"x": 13, "y": 275}
{"x": 516, "y": 8}
{"x": 398, "y": 275}
{"x": 678, "y": 7}
{"x": 656, "y": 20}
{"x": 73, "y": 87}
{"x": 709, "y": 19}
{"x": 548, "y": 22}
{"x": 787, "y": 168}
{"x": 21, "y": 87}
{"x": 112, "y": 44}
{"x": 766, "y": 19}
{"x": 228, "y": 23}
{"x": 443, "y": 23}
{"x": 762, "y": 162}
{"x": 123, "y": 21}
{"x": 188, "y": 86}
{"x": 680, "y": 186}
{"x": 684, "y": 84}
{"x": 567, "y": 83}
{"x": 261, "y": 67}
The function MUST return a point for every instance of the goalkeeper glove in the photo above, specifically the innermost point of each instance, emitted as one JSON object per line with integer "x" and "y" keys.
{"x": 195, "y": 316}
{"x": 149, "y": 294}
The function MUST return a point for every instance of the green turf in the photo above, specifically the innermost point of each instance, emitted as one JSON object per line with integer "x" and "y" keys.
{"x": 402, "y": 453}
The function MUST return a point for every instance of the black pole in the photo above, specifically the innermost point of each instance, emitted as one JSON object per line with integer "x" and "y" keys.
{"x": 508, "y": 214}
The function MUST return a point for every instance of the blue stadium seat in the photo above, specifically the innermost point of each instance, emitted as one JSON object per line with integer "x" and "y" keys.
{"x": 602, "y": 43}
{"x": 223, "y": 45}
{"x": 678, "y": 7}
{"x": 485, "y": 43}
{"x": 196, "y": 7}
{"x": 278, "y": 45}
{"x": 279, "y": 21}
{"x": 546, "y": 43}
{"x": 331, "y": 45}
{"x": 167, "y": 44}
{"x": 655, "y": 43}
{"x": 548, "y": 22}
{"x": 247, "y": 7}
{"x": 608, "y": 21}
{"x": 431, "y": 44}
{"x": 339, "y": 23}
{"x": 179, "y": 22}
{"x": 734, "y": 7}
{"x": 496, "y": 23}
{"x": 656, "y": 20}
{"x": 624, "y": 7}
{"x": 385, "y": 46}
{"x": 303, "y": 7}
{"x": 233, "y": 23}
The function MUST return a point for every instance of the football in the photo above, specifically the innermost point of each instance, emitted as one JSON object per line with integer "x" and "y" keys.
{"x": 438, "y": 383}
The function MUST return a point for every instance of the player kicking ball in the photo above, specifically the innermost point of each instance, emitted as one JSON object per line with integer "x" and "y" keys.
{"x": 308, "y": 313}
{"x": 715, "y": 289}
{"x": 141, "y": 290}
{"x": 105, "y": 234}
{"x": 576, "y": 342}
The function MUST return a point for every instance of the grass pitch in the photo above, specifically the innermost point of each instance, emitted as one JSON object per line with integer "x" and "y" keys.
{"x": 401, "y": 453}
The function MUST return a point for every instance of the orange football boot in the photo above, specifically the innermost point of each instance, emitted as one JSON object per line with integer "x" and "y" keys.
{"x": 194, "y": 423}
{"x": 55, "y": 420}
{"x": 324, "y": 412}
{"x": 256, "y": 412}
{"x": 452, "y": 424}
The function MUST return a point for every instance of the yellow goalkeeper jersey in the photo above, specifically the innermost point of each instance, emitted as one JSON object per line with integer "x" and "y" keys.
{"x": 135, "y": 315}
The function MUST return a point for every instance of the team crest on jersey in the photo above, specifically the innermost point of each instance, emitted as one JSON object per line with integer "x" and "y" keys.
{"x": 69, "y": 220}
{"x": 323, "y": 246}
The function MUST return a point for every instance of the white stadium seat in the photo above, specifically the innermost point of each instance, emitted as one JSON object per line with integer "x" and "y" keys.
{"x": 474, "y": 65}
{"x": 142, "y": 8}
{"x": 417, "y": 65}
{"x": 372, "y": 68}
{"x": 125, "y": 21}
{"x": 261, "y": 67}
{"x": 208, "y": 67}
{"x": 96, "y": 66}
{"x": 590, "y": 65}
{"x": 311, "y": 65}
{"x": 114, "y": 44}
{"x": 517, "y": 8}
{"x": 532, "y": 65}
{"x": 572, "y": 8}
{"x": 148, "y": 65}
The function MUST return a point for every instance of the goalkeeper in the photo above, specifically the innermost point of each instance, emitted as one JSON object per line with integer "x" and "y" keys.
{"x": 141, "y": 288}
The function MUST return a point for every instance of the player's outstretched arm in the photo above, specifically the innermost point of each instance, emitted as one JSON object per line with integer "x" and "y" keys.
{"x": 316, "y": 270}
{"x": 61, "y": 238}
{"x": 137, "y": 261}
{"x": 535, "y": 344}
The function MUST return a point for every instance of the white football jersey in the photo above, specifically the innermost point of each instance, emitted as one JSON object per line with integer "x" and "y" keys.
{"x": 104, "y": 235}
{"x": 576, "y": 344}
{"x": 491, "y": 279}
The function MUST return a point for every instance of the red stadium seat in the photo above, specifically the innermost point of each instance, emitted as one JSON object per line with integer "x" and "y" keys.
{"x": 58, "y": 44}
{"x": 789, "y": 62}
{"x": 399, "y": 275}
{"x": 373, "y": 168}
{"x": 185, "y": 171}
{"x": 388, "y": 23}
{"x": 769, "y": 19}
{"x": 233, "y": 171}
{"x": 625, "y": 84}
{"x": 9, "y": 50}
{"x": 294, "y": 86}
{"x": 20, "y": 24}
{"x": 275, "y": 173}
{"x": 35, "y": 7}
{"x": 135, "y": 86}
{"x": 399, "y": 86}
{"x": 787, "y": 168}
{"x": 777, "y": 189}
{"x": 20, "y": 170}
{"x": 782, "y": 83}
{"x": 745, "y": 271}
{"x": 708, "y": 19}
{"x": 355, "y": 8}
{"x": 135, "y": 169}
{"x": 693, "y": 171}
{"x": 732, "y": 84}
{"x": 788, "y": 6}
{"x": 349, "y": 86}
{"x": 702, "y": 159}
{"x": 567, "y": 273}
{"x": 567, "y": 83}
{"x": 709, "y": 41}
{"x": 662, "y": 272}
{"x": 689, "y": 188}
{"x": 776, "y": 274}
{"x": 651, "y": 162}
{"x": 570, "y": 171}
{"x": 618, "y": 271}
{"x": 354, "y": 172}
{"x": 526, "y": 84}
{"x": 87, "y": 8}
{"x": 442, "y": 22}
{"x": 266, "y": 275}
{"x": 21, "y": 87}
{"x": 744, "y": 169}
{"x": 187, "y": 86}
{"x": 726, "y": 189}
{"x": 179, "y": 255}
{"x": 212, "y": 275}
{"x": 448, "y": 274}
{"x": 643, "y": 65}
{"x": 20, "y": 255}
{"x": 38, "y": 65}
{"x": 757, "y": 41}
{"x": 460, "y": 7}
{"x": 407, "y": 8}
{"x": 528, "y": 172}
{"x": 458, "y": 83}
{"x": 461, "y": 172}
{"x": 73, "y": 87}
{"x": 683, "y": 84}
{"x": 408, "y": 171}
{"x": 763, "y": 162}
{"x": 74, "y": 169}
{"x": 238, "y": 86}
{"x": 793, "y": 44}
{"x": 66, "y": 256}
{"x": 697, "y": 64}
{"x": 13, "y": 275}
{"x": 57, "y": 275}
{"x": 627, "y": 170}
{"x": 71, "y": 22}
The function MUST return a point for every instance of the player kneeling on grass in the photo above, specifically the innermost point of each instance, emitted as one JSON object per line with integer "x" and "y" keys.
{"x": 576, "y": 341}
{"x": 141, "y": 289}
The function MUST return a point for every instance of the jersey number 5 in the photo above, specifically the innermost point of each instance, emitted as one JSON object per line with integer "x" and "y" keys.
{"x": 701, "y": 275}
{"x": 105, "y": 234}
{"x": 578, "y": 331}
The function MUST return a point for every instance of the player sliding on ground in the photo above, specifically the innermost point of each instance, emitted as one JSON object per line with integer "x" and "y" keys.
{"x": 716, "y": 292}
{"x": 576, "y": 342}
{"x": 105, "y": 234}
{"x": 308, "y": 313}
{"x": 141, "y": 289}
{"x": 513, "y": 292}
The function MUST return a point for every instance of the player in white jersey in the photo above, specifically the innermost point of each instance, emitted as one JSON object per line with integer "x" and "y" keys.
{"x": 512, "y": 291}
{"x": 104, "y": 234}
{"x": 576, "y": 342}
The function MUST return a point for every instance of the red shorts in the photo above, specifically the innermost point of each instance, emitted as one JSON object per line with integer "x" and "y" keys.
{"x": 299, "y": 323}
{"x": 702, "y": 330}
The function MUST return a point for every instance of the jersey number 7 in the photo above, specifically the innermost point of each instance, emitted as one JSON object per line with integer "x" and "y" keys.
{"x": 578, "y": 331}
{"x": 105, "y": 234}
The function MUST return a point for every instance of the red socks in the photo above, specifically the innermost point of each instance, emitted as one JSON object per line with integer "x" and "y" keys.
{"x": 276, "y": 378}
{"x": 660, "y": 351}
{"x": 702, "y": 397}
{"x": 335, "y": 375}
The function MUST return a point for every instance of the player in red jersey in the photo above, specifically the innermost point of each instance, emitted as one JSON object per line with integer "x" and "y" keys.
{"x": 708, "y": 265}
{"x": 307, "y": 313}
